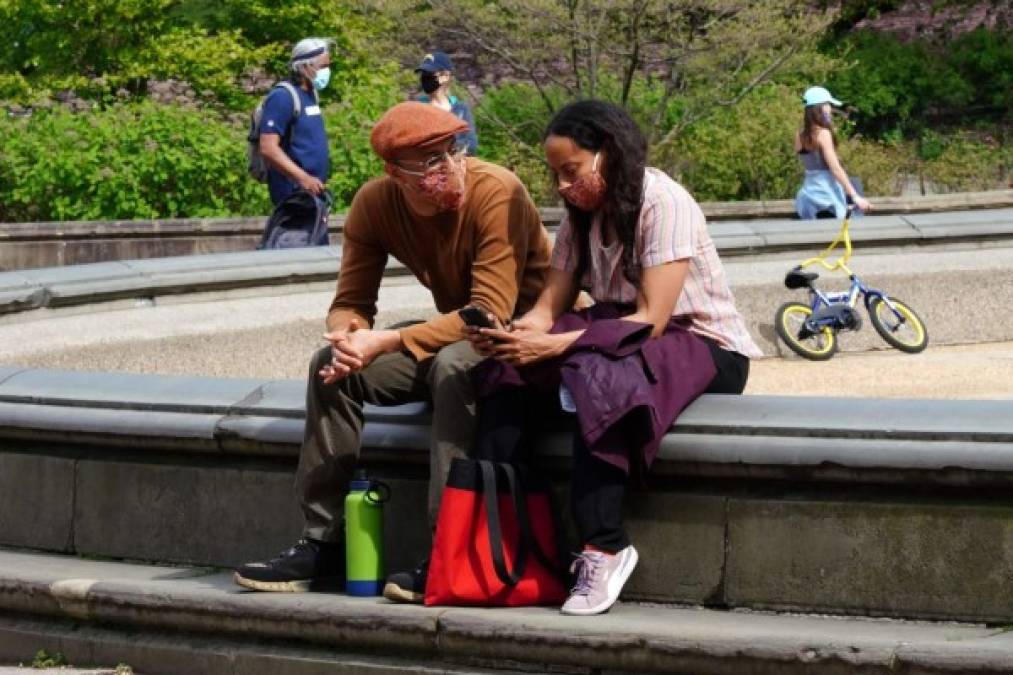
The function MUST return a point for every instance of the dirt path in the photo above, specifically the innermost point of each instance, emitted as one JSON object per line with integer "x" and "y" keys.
{"x": 963, "y": 371}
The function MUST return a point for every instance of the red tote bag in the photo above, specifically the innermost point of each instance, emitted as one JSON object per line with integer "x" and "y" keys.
{"x": 496, "y": 540}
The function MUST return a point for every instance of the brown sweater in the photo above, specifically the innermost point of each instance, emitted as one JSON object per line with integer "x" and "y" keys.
{"x": 493, "y": 252}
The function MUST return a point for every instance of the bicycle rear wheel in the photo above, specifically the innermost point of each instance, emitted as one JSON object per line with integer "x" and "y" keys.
{"x": 789, "y": 322}
{"x": 902, "y": 329}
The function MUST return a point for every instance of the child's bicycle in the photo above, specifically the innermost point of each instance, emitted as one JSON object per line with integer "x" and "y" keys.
{"x": 810, "y": 330}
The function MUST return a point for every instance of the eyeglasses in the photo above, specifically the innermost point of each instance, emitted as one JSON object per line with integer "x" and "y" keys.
{"x": 424, "y": 166}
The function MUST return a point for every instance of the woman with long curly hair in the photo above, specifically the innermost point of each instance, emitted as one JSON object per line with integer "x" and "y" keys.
{"x": 663, "y": 330}
{"x": 826, "y": 189}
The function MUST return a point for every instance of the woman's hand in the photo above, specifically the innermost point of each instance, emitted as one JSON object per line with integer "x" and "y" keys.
{"x": 485, "y": 344}
{"x": 534, "y": 322}
{"x": 521, "y": 346}
{"x": 862, "y": 203}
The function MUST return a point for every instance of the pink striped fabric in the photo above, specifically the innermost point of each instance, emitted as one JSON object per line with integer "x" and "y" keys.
{"x": 671, "y": 227}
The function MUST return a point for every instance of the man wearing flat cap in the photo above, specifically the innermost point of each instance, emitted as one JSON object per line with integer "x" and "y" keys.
{"x": 469, "y": 232}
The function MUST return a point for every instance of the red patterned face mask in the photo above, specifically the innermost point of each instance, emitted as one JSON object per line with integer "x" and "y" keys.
{"x": 444, "y": 185}
{"x": 587, "y": 192}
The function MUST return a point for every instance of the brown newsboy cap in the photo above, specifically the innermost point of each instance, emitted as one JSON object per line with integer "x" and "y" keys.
{"x": 413, "y": 124}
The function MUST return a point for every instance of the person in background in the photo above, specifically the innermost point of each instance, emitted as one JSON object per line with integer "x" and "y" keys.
{"x": 826, "y": 189}
{"x": 436, "y": 72}
{"x": 295, "y": 147}
{"x": 663, "y": 330}
{"x": 469, "y": 232}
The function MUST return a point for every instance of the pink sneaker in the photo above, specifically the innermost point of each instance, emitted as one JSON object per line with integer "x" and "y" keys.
{"x": 600, "y": 579}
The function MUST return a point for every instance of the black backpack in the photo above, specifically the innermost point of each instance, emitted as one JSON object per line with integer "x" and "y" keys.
{"x": 299, "y": 220}
{"x": 255, "y": 162}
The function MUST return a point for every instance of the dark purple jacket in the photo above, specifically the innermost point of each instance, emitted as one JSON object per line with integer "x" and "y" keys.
{"x": 627, "y": 387}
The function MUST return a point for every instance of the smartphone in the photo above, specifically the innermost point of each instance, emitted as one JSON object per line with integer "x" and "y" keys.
{"x": 475, "y": 316}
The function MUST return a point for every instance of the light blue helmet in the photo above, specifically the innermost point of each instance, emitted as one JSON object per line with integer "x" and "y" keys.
{"x": 818, "y": 95}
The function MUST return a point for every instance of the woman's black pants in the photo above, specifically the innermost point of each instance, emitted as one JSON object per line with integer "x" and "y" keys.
{"x": 509, "y": 420}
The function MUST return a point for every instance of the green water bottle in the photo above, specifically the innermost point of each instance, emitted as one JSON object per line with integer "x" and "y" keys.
{"x": 364, "y": 534}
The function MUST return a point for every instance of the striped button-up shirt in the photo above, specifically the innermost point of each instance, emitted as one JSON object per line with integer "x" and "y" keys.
{"x": 671, "y": 227}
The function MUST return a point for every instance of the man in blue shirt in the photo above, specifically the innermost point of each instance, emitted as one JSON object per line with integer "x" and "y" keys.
{"x": 292, "y": 138}
{"x": 435, "y": 74}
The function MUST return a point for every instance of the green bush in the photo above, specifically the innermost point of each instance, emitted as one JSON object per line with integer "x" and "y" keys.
{"x": 985, "y": 61}
{"x": 44, "y": 660}
{"x": 224, "y": 50}
{"x": 129, "y": 161}
{"x": 743, "y": 152}
{"x": 880, "y": 166}
{"x": 966, "y": 163}
{"x": 349, "y": 123}
{"x": 510, "y": 121}
{"x": 910, "y": 85}
{"x": 145, "y": 160}
{"x": 740, "y": 153}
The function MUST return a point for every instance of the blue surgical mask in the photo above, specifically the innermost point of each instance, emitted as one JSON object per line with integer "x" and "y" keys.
{"x": 322, "y": 78}
{"x": 828, "y": 119}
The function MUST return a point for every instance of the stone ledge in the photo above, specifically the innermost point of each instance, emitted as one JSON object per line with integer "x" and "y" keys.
{"x": 956, "y": 442}
{"x": 715, "y": 211}
{"x": 149, "y": 600}
{"x": 96, "y": 282}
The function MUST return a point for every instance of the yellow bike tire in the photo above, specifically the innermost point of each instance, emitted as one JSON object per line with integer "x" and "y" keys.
{"x": 787, "y": 322}
{"x": 915, "y": 337}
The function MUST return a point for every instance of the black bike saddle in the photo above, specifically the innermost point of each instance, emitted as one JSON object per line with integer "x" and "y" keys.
{"x": 799, "y": 278}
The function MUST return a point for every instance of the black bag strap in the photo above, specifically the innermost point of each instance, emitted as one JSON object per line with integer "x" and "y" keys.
{"x": 491, "y": 493}
{"x": 319, "y": 234}
{"x": 559, "y": 565}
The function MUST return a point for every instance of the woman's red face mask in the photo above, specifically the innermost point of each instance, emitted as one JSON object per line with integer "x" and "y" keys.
{"x": 587, "y": 192}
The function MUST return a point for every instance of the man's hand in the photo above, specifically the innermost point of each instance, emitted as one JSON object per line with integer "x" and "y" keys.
{"x": 481, "y": 343}
{"x": 355, "y": 348}
{"x": 311, "y": 184}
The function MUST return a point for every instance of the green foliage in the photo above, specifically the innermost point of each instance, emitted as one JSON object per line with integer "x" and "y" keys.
{"x": 124, "y": 157}
{"x": 967, "y": 162}
{"x": 881, "y": 166}
{"x": 349, "y": 123}
{"x": 891, "y": 83}
{"x": 97, "y": 47}
{"x": 984, "y": 60}
{"x": 743, "y": 152}
{"x": 510, "y": 122}
{"x": 714, "y": 85}
{"x": 895, "y": 85}
{"x": 44, "y": 660}
{"x": 82, "y": 37}
{"x": 690, "y": 56}
{"x": 129, "y": 161}
{"x": 211, "y": 64}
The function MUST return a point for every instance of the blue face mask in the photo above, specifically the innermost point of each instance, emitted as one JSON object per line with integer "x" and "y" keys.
{"x": 322, "y": 78}
{"x": 828, "y": 119}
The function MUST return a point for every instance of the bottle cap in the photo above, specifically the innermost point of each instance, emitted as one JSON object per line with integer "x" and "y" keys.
{"x": 360, "y": 481}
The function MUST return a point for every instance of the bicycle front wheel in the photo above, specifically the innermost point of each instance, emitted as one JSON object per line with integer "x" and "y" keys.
{"x": 790, "y": 324}
{"x": 902, "y": 329}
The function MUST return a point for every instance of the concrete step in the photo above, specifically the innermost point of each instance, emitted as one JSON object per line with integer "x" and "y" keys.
{"x": 895, "y": 508}
{"x": 171, "y": 620}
